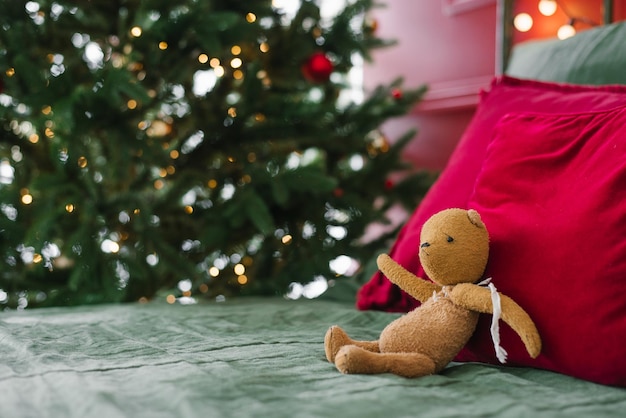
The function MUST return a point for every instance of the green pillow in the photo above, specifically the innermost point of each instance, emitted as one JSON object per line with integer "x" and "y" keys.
{"x": 596, "y": 56}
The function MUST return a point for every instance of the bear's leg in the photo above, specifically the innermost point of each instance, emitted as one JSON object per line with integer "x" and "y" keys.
{"x": 336, "y": 338}
{"x": 355, "y": 360}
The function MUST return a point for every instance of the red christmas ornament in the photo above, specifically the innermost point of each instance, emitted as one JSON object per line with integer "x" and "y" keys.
{"x": 317, "y": 68}
{"x": 396, "y": 93}
{"x": 370, "y": 25}
{"x": 389, "y": 184}
{"x": 338, "y": 192}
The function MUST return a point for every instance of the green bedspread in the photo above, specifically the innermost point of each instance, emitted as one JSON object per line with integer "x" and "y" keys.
{"x": 248, "y": 358}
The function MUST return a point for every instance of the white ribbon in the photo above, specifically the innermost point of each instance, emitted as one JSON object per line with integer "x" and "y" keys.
{"x": 495, "y": 326}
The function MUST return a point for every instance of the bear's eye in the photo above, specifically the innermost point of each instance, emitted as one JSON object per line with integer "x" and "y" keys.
{"x": 450, "y": 239}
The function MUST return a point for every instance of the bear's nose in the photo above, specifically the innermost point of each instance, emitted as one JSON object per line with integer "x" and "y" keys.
{"x": 425, "y": 245}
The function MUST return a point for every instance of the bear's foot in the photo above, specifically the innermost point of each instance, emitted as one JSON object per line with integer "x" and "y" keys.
{"x": 336, "y": 338}
{"x": 352, "y": 359}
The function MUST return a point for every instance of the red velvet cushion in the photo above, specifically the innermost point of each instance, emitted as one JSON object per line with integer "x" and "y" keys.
{"x": 456, "y": 182}
{"x": 552, "y": 193}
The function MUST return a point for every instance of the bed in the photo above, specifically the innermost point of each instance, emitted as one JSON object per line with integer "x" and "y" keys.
{"x": 264, "y": 357}
{"x": 243, "y": 358}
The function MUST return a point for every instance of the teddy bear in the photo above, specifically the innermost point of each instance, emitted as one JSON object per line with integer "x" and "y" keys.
{"x": 454, "y": 249}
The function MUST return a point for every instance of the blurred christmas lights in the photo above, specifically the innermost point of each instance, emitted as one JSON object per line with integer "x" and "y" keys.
{"x": 523, "y": 22}
{"x": 547, "y": 7}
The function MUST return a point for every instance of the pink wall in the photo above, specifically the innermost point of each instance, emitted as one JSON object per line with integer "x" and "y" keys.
{"x": 447, "y": 44}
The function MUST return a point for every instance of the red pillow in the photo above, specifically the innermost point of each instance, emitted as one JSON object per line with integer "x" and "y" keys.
{"x": 552, "y": 193}
{"x": 456, "y": 183}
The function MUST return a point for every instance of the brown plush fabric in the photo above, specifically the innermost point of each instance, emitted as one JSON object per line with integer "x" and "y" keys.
{"x": 477, "y": 298}
{"x": 454, "y": 250}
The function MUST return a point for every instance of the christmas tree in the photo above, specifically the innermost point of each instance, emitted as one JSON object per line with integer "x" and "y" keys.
{"x": 188, "y": 148}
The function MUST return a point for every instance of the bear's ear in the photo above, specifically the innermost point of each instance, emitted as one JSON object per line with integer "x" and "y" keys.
{"x": 474, "y": 218}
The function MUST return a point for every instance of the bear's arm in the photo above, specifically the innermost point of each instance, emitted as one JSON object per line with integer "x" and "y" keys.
{"x": 418, "y": 288}
{"x": 477, "y": 298}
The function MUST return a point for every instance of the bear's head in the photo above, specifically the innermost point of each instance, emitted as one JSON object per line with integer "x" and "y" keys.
{"x": 454, "y": 247}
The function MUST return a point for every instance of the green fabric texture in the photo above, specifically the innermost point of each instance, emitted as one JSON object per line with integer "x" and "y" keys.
{"x": 595, "y": 56}
{"x": 248, "y": 358}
